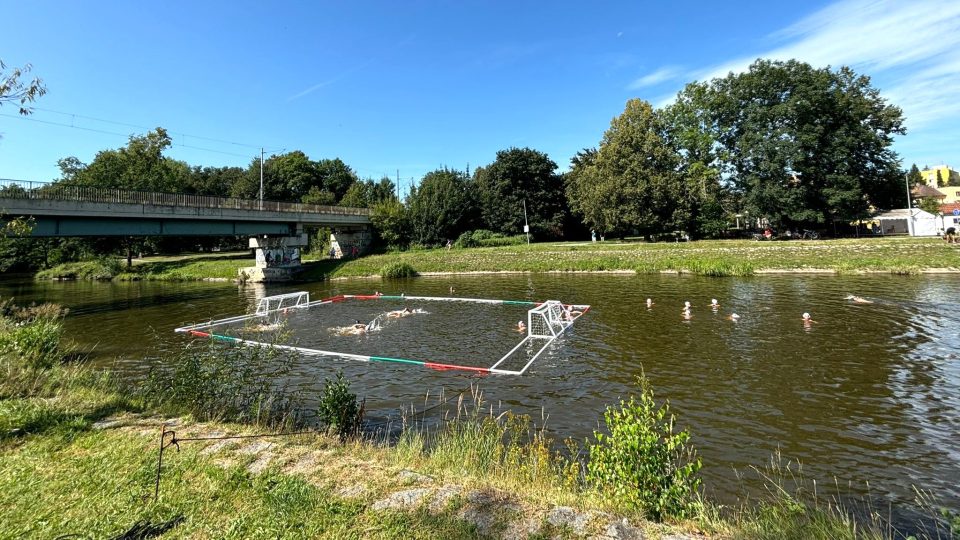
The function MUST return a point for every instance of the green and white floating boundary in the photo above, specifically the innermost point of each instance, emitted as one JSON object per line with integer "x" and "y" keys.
{"x": 546, "y": 321}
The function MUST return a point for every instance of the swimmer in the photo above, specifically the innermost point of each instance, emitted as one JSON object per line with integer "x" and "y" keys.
{"x": 377, "y": 293}
{"x": 400, "y": 313}
{"x": 806, "y": 319}
{"x": 733, "y": 317}
{"x": 649, "y": 303}
{"x": 570, "y": 314}
{"x": 452, "y": 289}
{"x": 521, "y": 327}
{"x": 858, "y": 299}
{"x": 714, "y": 304}
{"x": 686, "y": 306}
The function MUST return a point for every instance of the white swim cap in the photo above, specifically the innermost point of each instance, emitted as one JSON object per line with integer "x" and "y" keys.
{"x": 734, "y": 316}
{"x": 713, "y": 300}
{"x": 806, "y": 315}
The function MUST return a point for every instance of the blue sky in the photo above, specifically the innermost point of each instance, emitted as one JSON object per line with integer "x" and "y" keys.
{"x": 412, "y": 86}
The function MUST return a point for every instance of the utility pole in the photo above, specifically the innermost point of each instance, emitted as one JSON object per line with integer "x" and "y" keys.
{"x": 261, "y": 178}
{"x": 906, "y": 179}
{"x": 526, "y": 226}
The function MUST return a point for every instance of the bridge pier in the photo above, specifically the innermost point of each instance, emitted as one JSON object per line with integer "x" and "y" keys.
{"x": 349, "y": 242}
{"x": 277, "y": 258}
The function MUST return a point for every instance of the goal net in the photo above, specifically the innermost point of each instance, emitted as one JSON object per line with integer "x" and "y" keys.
{"x": 548, "y": 320}
{"x": 269, "y": 304}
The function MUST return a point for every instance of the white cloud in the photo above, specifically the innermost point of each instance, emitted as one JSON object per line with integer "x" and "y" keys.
{"x": 665, "y": 73}
{"x": 910, "y": 49}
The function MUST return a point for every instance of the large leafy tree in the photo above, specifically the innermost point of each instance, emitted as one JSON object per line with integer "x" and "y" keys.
{"x": 802, "y": 145}
{"x": 140, "y": 165}
{"x": 630, "y": 184}
{"x": 521, "y": 175}
{"x": 13, "y": 89}
{"x": 440, "y": 208}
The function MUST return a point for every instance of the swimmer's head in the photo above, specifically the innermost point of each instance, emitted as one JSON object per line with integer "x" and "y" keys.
{"x": 649, "y": 301}
{"x": 713, "y": 300}
{"x": 806, "y": 316}
{"x": 734, "y": 316}
{"x": 686, "y": 305}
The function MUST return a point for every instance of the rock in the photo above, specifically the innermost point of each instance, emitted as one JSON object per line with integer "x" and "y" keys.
{"x": 442, "y": 497}
{"x": 409, "y": 477}
{"x": 404, "y": 499}
{"x": 255, "y": 447}
{"x": 564, "y": 516}
{"x": 622, "y": 530}
{"x": 109, "y": 423}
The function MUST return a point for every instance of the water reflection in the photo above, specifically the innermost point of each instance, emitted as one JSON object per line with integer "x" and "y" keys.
{"x": 869, "y": 393}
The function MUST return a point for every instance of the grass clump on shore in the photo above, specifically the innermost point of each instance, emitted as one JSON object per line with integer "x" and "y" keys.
{"x": 397, "y": 270}
{"x": 102, "y": 269}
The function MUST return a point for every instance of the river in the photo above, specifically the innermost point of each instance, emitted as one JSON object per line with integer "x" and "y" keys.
{"x": 867, "y": 398}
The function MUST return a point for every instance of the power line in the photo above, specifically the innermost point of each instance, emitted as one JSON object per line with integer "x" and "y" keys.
{"x": 95, "y": 119}
{"x": 105, "y": 132}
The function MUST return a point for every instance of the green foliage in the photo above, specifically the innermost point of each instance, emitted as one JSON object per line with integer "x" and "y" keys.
{"x": 31, "y": 336}
{"x": 14, "y": 90}
{"x": 485, "y": 238}
{"x": 391, "y": 221}
{"x": 339, "y": 409}
{"x": 441, "y": 207}
{"x": 397, "y": 270}
{"x": 104, "y": 268}
{"x": 799, "y": 144}
{"x": 642, "y": 462}
{"x": 518, "y": 175}
{"x": 215, "y": 382}
{"x": 629, "y": 184}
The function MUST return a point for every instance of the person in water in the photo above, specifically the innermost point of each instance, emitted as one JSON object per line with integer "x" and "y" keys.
{"x": 714, "y": 304}
{"x": 733, "y": 317}
{"x": 400, "y": 313}
{"x": 858, "y": 299}
{"x": 807, "y": 320}
{"x": 649, "y": 303}
{"x": 521, "y": 327}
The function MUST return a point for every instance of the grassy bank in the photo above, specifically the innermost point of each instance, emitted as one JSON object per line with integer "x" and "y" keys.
{"x": 78, "y": 453}
{"x": 710, "y": 257}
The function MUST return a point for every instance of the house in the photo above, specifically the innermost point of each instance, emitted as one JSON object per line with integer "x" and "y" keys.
{"x": 949, "y": 178}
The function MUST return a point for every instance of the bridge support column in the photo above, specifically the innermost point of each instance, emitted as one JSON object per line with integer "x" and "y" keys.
{"x": 351, "y": 242}
{"x": 277, "y": 258}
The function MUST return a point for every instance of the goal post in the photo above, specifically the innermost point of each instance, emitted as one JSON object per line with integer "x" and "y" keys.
{"x": 548, "y": 320}
{"x": 279, "y": 302}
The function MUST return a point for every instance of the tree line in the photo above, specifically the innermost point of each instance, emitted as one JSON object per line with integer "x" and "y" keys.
{"x": 785, "y": 142}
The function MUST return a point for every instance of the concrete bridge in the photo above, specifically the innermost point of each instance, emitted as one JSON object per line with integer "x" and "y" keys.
{"x": 60, "y": 210}
{"x": 275, "y": 229}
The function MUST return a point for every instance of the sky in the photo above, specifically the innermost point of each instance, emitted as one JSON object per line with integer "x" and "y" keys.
{"x": 403, "y": 88}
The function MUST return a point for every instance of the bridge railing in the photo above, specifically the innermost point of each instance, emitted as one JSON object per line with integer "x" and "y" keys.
{"x": 59, "y": 191}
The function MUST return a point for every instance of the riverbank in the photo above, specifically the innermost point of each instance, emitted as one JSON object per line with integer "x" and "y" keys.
{"x": 901, "y": 255}
{"x": 78, "y": 455}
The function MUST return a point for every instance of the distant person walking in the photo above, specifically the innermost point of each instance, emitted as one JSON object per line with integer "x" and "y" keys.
{"x": 593, "y": 235}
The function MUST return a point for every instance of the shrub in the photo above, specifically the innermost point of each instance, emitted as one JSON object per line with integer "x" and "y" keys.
{"x": 397, "y": 270}
{"x": 217, "y": 382}
{"x": 31, "y": 335}
{"x": 485, "y": 238}
{"x": 642, "y": 463}
{"x": 339, "y": 410}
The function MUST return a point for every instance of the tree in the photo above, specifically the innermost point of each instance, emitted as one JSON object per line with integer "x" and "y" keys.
{"x": 518, "y": 176}
{"x": 803, "y": 145}
{"x": 940, "y": 182}
{"x": 15, "y": 90}
{"x": 440, "y": 207}
{"x": 391, "y": 221}
{"x": 367, "y": 193}
{"x": 630, "y": 184}
{"x": 140, "y": 165}
{"x": 335, "y": 176}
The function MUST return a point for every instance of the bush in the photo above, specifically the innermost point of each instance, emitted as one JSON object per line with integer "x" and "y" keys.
{"x": 221, "y": 383}
{"x": 397, "y": 270}
{"x": 485, "y": 238}
{"x": 339, "y": 410}
{"x": 642, "y": 462}
{"x": 104, "y": 269}
{"x": 31, "y": 335}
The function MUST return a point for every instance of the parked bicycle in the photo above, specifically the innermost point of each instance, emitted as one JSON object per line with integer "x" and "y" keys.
{"x": 810, "y": 235}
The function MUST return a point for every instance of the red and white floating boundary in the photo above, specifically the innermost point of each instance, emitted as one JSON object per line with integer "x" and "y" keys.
{"x": 546, "y": 321}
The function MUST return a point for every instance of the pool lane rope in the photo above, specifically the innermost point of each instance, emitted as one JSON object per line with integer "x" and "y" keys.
{"x": 546, "y": 321}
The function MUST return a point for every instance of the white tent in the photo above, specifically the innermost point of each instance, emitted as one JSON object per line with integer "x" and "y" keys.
{"x": 912, "y": 221}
